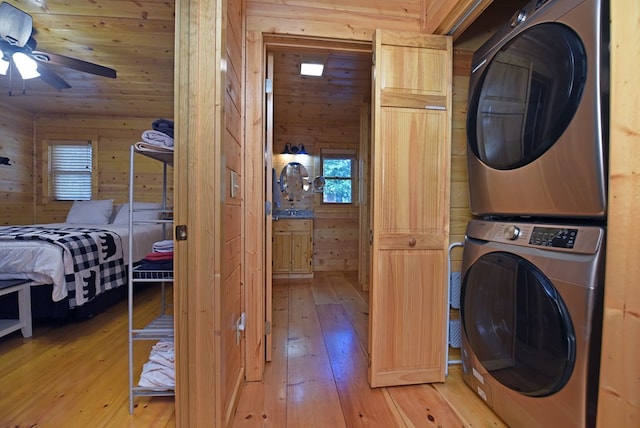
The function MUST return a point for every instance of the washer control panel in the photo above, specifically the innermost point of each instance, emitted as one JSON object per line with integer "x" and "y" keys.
{"x": 556, "y": 237}
{"x": 582, "y": 239}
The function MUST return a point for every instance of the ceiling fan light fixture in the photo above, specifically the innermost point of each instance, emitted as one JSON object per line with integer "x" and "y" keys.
{"x": 27, "y": 66}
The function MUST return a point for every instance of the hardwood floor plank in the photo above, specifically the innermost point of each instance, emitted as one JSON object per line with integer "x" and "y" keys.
{"x": 362, "y": 406}
{"x": 325, "y": 345}
{"x": 355, "y": 306}
{"x": 264, "y": 404}
{"x": 312, "y": 397}
{"x": 323, "y": 293}
{"x": 469, "y": 407}
{"x": 75, "y": 374}
{"x": 422, "y": 405}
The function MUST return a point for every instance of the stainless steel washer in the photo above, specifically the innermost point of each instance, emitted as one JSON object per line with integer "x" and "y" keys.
{"x": 531, "y": 309}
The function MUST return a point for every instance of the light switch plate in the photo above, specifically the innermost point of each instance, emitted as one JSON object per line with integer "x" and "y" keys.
{"x": 235, "y": 186}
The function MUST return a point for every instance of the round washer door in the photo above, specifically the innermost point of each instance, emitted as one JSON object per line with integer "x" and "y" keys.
{"x": 526, "y": 96}
{"x": 517, "y": 324}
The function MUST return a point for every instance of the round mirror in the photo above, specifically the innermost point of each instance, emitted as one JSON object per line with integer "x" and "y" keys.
{"x": 318, "y": 183}
{"x": 294, "y": 181}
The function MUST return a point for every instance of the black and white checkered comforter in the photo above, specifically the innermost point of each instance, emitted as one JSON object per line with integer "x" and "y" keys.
{"x": 93, "y": 258}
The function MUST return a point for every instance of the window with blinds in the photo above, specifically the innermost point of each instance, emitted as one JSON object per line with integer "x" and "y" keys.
{"x": 70, "y": 171}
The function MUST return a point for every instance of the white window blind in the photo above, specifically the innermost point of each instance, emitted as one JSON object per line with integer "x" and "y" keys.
{"x": 71, "y": 171}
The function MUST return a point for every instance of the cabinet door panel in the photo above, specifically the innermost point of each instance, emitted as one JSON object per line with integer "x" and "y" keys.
{"x": 410, "y": 217}
{"x": 281, "y": 251}
{"x": 300, "y": 261}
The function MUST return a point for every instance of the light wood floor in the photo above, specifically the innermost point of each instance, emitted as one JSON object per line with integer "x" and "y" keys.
{"x": 76, "y": 374}
{"x": 318, "y": 376}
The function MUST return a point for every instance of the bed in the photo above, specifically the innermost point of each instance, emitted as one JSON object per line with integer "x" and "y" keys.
{"x": 77, "y": 268}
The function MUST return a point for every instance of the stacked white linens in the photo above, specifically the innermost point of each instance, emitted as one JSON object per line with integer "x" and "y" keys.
{"x": 165, "y": 246}
{"x": 160, "y": 370}
{"x": 157, "y": 138}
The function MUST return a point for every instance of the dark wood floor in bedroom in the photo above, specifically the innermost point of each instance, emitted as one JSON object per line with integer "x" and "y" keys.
{"x": 76, "y": 374}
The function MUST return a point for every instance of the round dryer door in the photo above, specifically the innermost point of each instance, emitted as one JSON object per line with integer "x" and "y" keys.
{"x": 517, "y": 325}
{"x": 526, "y": 96}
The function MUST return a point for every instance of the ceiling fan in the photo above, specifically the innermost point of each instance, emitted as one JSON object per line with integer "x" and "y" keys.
{"x": 17, "y": 45}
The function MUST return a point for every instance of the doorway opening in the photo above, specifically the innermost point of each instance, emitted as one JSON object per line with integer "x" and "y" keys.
{"x": 327, "y": 116}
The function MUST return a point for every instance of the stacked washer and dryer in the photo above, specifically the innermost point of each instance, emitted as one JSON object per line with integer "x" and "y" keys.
{"x": 533, "y": 258}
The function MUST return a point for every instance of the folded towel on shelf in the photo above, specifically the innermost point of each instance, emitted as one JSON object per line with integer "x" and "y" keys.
{"x": 162, "y": 246}
{"x": 161, "y": 255}
{"x": 160, "y": 370}
{"x": 155, "y": 375}
{"x": 158, "y": 138}
{"x": 156, "y": 264}
{"x": 163, "y": 125}
{"x": 154, "y": 148}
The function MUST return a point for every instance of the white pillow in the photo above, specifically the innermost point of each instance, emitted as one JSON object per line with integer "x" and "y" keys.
{"x": 90, "y": 212}
{"x": 123, "y": 214}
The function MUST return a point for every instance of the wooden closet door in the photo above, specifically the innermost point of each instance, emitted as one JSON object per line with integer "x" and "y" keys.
{"x": 410, "y": 217}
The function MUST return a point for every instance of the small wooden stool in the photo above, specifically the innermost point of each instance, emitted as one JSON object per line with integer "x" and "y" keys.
{"x": 23, "y": 288}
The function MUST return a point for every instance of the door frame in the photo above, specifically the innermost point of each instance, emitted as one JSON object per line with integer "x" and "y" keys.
{"x": 257, "y": 44}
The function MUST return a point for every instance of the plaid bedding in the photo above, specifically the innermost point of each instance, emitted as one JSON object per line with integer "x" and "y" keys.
{"x": 93, "y": 258}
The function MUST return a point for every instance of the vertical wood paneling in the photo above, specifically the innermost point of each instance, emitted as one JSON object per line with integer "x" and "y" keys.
{"x": 460, "y": 213}
{"x": 254, "y": 224}
{"x": 232, "y": 293}
{"x": 201, "y": 395}
{"x": 618, "y": 403}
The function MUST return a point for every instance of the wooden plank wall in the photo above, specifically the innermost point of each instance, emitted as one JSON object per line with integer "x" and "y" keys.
{"x": 460, "y": 213}
{"x": 231, "y": 295}
{"x": 16, "y": 180}
{"x": 346, "y": 19}
{"x": 114, "y": 136}
{"x": 618, "y": 397}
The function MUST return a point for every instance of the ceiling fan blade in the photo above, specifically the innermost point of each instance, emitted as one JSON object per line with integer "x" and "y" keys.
{"x": 52, "y": 78}
{"x": 76, "y": 64}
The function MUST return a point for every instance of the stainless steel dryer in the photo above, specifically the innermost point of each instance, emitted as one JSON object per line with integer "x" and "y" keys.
{"x": 531, "y": 309}
{"x": 537, "y": 127}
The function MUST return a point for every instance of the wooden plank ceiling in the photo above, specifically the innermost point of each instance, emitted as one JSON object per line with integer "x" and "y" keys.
{"x": 346, "y": 78}
{"x": 136, "y": 38}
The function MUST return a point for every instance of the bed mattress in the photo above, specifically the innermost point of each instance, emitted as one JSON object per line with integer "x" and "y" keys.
{"x": 43, "y": 262}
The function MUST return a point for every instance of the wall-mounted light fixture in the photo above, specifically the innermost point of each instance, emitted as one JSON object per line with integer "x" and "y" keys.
{"x": 295, "y": 149}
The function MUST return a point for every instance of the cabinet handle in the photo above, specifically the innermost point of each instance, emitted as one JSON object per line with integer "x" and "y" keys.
{"x": 412, "y": 242}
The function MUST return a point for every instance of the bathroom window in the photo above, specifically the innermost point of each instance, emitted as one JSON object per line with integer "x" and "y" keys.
{"x": 338, "y": 170}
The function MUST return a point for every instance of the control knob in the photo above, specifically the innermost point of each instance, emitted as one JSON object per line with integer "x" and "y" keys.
{"x": 512, "y": 233}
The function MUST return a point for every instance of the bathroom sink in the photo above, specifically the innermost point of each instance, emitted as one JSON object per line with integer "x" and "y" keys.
{"x": 292, "y": 213}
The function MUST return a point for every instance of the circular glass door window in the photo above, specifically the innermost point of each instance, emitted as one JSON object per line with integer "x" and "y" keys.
{"x": 526, "y": 96}
{"x": 517, "y": 324}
